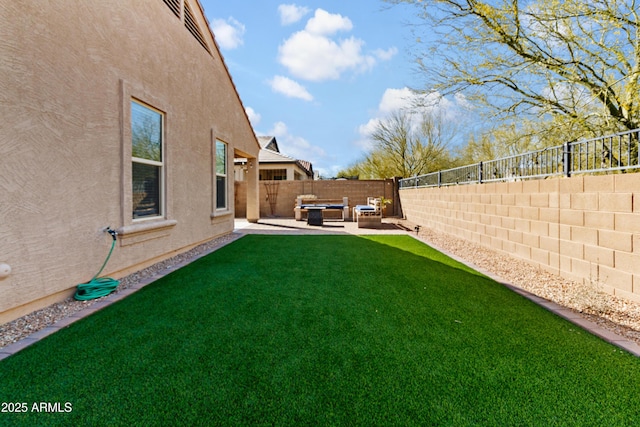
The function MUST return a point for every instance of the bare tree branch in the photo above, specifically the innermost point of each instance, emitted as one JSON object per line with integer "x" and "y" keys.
{"x": 576, "y": 59}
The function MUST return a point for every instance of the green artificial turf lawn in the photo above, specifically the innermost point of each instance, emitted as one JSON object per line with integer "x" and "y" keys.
{"x": 324, "y": 330}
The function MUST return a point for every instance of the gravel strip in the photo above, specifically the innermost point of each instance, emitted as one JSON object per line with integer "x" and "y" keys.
{"x": 33, "y": 322}
{"x": 609, "y": 312}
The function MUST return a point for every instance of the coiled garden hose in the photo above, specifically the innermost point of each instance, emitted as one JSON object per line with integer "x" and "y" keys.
{"x": 99, "y": 286}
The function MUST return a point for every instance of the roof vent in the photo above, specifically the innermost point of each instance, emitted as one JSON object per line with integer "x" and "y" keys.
{"x": 192, "y": 26}
{"x": 174, "y": 5}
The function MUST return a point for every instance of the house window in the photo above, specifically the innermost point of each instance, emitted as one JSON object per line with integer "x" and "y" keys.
{"x": 147, "y": 161}
{"x": 273, "y": 175}
{"x": 221, "y": 175}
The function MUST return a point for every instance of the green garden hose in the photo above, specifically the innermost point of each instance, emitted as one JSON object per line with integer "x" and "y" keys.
{"x": 99, "y": 286}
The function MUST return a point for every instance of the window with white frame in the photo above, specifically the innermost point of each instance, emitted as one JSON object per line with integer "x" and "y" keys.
{"x": 147, "y": 129}
{"x": 221, "y": 175}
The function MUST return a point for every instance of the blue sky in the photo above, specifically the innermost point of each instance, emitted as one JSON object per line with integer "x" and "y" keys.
{"x": 317, "y": 75}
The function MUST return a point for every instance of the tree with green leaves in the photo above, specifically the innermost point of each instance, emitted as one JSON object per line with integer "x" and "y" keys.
{"x": 569, "y": 66}
{"x": 510, "y": 139}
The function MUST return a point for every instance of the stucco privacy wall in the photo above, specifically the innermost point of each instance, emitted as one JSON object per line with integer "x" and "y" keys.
{"x": 68, "y": 74}
{"x": 285, "y": 193}
{"x": 584, "y": 228}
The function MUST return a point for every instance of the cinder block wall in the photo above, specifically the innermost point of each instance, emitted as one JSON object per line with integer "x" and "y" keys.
{"x": 278, "y": 198}
{"x": 584, "y": 228}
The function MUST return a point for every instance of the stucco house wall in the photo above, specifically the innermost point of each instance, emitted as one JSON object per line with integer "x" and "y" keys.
{"x": 68, "y": 76}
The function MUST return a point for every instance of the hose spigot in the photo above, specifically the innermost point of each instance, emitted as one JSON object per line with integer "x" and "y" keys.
{"x": 114, "y": 233}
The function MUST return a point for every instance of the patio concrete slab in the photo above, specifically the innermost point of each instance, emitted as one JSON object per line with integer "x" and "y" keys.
{"x": 291, "y": 226}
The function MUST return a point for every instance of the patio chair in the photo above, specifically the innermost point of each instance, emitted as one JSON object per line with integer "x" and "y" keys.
{"x": 369, "y": 215}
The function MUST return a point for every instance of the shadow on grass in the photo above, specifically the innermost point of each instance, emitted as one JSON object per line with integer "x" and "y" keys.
{"x": 337, "y": 226}
{"x": 324, "y": 330}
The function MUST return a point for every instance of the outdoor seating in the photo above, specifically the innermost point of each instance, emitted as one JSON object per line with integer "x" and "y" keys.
{"x": 303, "y": 204}
{"x": 369, "y": 215}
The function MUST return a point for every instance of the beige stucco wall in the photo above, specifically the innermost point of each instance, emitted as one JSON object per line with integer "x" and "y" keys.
{"x": 67, "y": 77}
{"x": 584, "y": 228}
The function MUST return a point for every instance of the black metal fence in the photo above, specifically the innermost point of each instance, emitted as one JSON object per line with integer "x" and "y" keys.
{"x": 617, "y": 153}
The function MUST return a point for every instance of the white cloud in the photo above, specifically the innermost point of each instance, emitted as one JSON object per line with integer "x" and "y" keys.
{"x": 314, "y": 55}
{"x": 406, "y": 99}
{"x": 229, "y": 33}
{"x": 325, "y": 23}
{"x": 462, "y": 101}
{"x": 300, "y": 149}
{"x": 290, "y": 88}
{"x": 385, "y": 55}
{"x": 254, "y": 117}
{"x": 364, "y": 142}
{"x": 295, "y": 146}
{"x": 317, "y": 58}
{"x": 394, "y": 100}
{"x": 291, "y": 13}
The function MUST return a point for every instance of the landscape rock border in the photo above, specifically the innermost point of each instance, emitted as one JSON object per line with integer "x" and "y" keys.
{"x": 25, "y": 326}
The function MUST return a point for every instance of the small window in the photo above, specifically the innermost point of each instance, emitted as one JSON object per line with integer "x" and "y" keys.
{"x": 147, "y": 161}
{"x": 221, "y": 175}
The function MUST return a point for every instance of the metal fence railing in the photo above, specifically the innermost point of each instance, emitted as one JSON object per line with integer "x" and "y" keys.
{"x": 617, "y": 153}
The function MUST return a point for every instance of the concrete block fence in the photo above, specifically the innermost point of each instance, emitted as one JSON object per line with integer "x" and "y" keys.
{"x": 583, "y": 228}
{"x": 278, "y": 198}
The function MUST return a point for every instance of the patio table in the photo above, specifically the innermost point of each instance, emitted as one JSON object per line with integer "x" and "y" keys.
{"x": 315, "y": 215}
